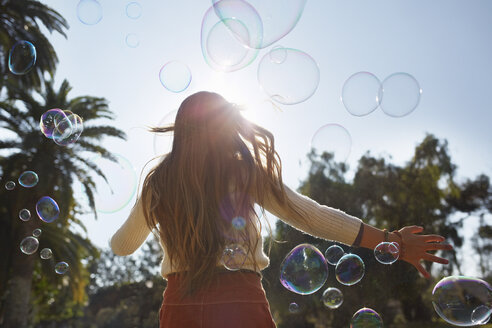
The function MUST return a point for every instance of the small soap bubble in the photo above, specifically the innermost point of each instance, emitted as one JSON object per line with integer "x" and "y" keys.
{"x": 366, "y": 318}
{"x": 304, "y": 270}
{"x": 360, "y": 93}
{"x": 22, "y": 57}
{"x": 47, "y": 122}
{"x": 132, "y": 40}
{"x": 28, "y": 179}
{"x": 47, "y": 209}
{"x": 175, "y": 76}
{"x": 24, "y": 214}
{"x": 387, "y": 252}
{"x": 350, "y": 269}
{"x": 45, "y": 254}
{"x": 36, "y": 232}
{"x": 333, "y": 254}
{"x": 89, "y": 12}
{"x": 293, "y": 307}
{"x": 462, "y": 301}
{"x": 399, "y": 94}
{"x": 61, "y": 267}
{"x": 133, "y": 10}
{"x": 334, "y": 139}
{"x": 234, "y": 257}
{"x": 238, "y": 223}
{"x": 332, "y": 298}
{"x": 10, "y": 185}
{"x": 29, "y": 245}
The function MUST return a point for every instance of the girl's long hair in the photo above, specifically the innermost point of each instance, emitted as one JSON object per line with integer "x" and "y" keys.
{"x": 220, "y": 165}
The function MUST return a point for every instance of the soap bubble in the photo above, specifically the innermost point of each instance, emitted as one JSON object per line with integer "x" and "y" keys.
{"x": 10, "y": 185}
{"x": 29, "y": 245}
{"x": 22, "y": 57}
{"x": 175, "y": 76}
{"x": 333, "y": 254}
{"x": 399, "y": 94}
{"x": 278, "y": 54}
{"x": 332, "y": 298}
{"x": 350, "y": 269}
{"x": 133, "y": 10}
{"x": 89, "y": 12}
{"x": 45, "y": 254}
{"x": 233, "y": 257}
{"x": 277, "y": 19}
{"x": 332, "y": 138}
{"x": 61, "y": 267}
{"x": 36, "y": 232}
{"x": 387, "y": 252}
{"x": 366, "y": 318}
{"x": 24, "y": 214}
{"x": 360, "y": 93}
{"x": 47, "y": 209}
{"x": 223, "y": 37}
{"x": 462, "y": 301}
{"x": 68, "y": 129}
{"x": 293, "y": 307}
{"x": 163, "y": 142}
{"x": 291, "y": 81}
{"x": 303, "y": 270}
{"x": 238, "y": 223}
{"x": 118, "y": 189}
{"x": 28, "y": 179}
{"x": 132, "y": 40}
{"x": 48, "y": 120}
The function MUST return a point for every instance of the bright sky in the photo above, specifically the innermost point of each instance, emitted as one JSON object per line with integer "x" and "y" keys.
{"x": 444, "y": 44}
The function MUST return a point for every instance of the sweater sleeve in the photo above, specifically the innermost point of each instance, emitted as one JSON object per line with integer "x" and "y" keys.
{"x": 315, "y": 219}
{"x": 132, "y": 234}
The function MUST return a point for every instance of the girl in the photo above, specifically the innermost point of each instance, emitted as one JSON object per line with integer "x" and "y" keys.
{"x": 200, "y": 200}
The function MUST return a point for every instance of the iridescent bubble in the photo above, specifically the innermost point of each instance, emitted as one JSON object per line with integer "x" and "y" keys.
{"x": 293, "y": 307}
{"x": 45, "y": 254}
{"x": 277, "y": 18}
{"x": 68, "y": 129}
{"x": 22, "y": 57}
{"x": 175, "y": 76}
{"x": 304, "y": 270}
{"x": 132, "y": 40}
{"x": 332, "y": 298}
{"x": 37, "y": 232}
{"x": 133, "y": 10}
{"x": 24, "y": 214}
{"x": 462, "y": 301}
{"x": 233, "y": 257}
{"x": 48, "y": 120}
{"x": 115, "y": 192}
{"x": 333, "y": 254}
{"x": 291, "y": 81}
{"x": 387, "y": 252}
{"x": 28, "y": 179}
{"x": 10, "y": 185}
{"x": 61, "y": 267}
{"x": 360, "y": 93}
{"x": 47, "y": 209}
{"x": 223, "y": 37}
{"x": 350, "y": 269}
{"x": 332, "y": 138}
{"x": 163, "y": 142}
{"x": 89, "y": 12}
{"x": 29, "y": 245}
{"x": 399, "y": 94}
{"x": 366, "y": 318}
{"x": 238, "y": 223}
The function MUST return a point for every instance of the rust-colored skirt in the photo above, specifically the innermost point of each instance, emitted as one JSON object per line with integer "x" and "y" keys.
{"x": 234, "y": 299}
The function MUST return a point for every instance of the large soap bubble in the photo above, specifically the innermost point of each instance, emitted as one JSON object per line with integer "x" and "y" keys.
{"x": 366, "y": 318}
{"x": 276, "y": 18}
{"x": 304, "y": 270}
{"x": 47, "y": 209}
{"x": 332, "y": 138}
{"x": 399, "y": 94}
{"x": 29, "y": 245}
{"x": 89, "y": 12}
{"x": 22, "y": 57}
{"x": 462, "y": 301}
{"x": 350, "y": 269}
{"x": 360, "y": 93}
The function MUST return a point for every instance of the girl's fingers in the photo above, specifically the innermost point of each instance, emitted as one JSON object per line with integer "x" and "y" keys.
{"x": 435, "y": 247}
{"x": 415, "y": 229}
{"x": 422, "y": 271}
{"x": 434, "y": 238}
{"x": 433, "y": 258}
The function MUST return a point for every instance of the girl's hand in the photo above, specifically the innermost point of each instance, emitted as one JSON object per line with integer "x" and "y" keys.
{"x": 414, "y": 247}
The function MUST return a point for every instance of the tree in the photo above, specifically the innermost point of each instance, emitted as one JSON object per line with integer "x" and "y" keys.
{"x": 424, "y": 191}
{"x": 58, "y": 168}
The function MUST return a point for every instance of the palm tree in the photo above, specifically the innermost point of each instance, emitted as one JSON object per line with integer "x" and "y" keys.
{"x": 22, "y": 20}
{"x": 58, "y": 168}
